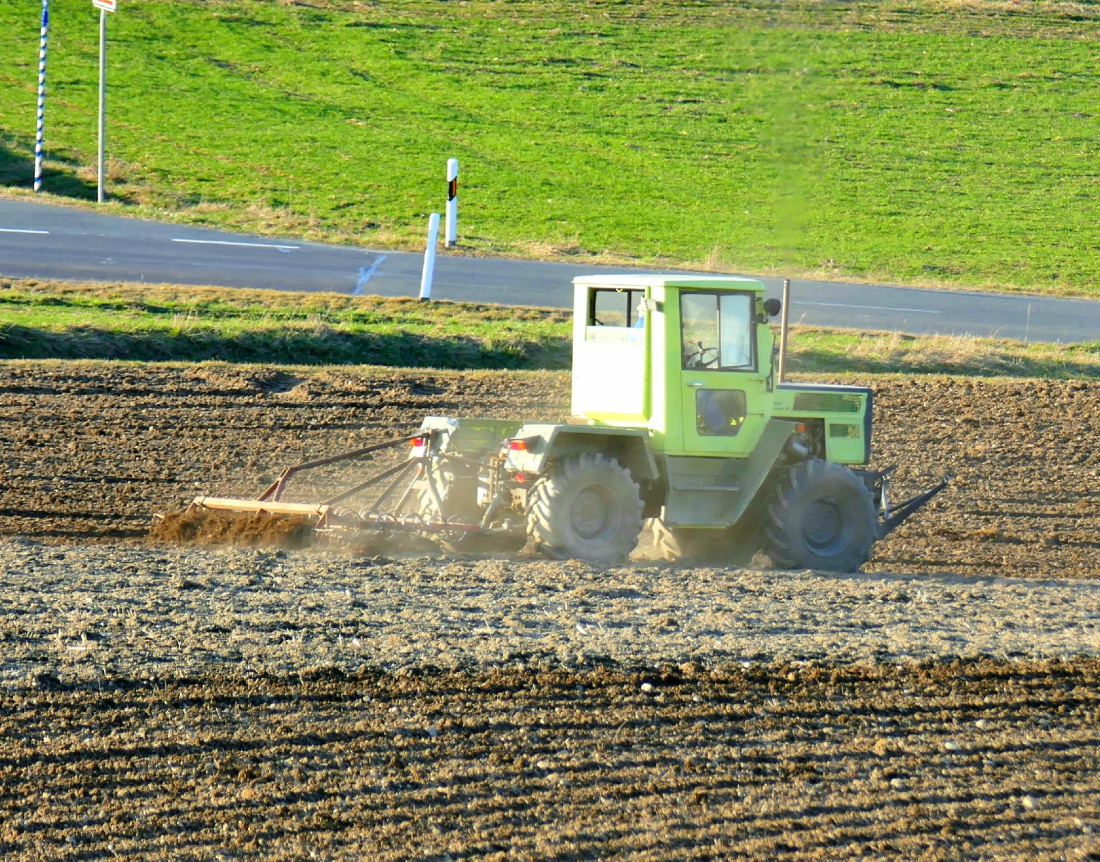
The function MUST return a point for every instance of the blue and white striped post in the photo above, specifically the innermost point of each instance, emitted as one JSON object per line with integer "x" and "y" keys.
{"x": 101, "y": 160}
{"x": 452, "y": 202}
{"x": 41, "y": 130}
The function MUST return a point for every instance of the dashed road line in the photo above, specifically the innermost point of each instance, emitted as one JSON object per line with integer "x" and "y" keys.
{"x": 245, "y": 244}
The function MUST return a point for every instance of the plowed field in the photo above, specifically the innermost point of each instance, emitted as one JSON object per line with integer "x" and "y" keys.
{"x": 172, "y": 703}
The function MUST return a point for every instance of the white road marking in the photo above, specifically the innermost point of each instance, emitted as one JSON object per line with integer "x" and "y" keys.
{"x": 867, "y": 307}
{"x": 365, "y": 272}
{"x": 20, "y": 230}
{"x": 246, "y": 244}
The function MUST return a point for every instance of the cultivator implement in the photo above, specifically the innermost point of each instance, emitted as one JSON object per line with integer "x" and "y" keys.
{"x": 407, "y": 499}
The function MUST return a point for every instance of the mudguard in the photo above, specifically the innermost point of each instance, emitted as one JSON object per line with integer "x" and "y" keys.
{"x": 533, "y": 446}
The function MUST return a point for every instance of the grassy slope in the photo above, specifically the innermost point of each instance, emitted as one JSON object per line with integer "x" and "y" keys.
{"x": 922, "y": 143}
{"x": 139, "y": 322}
{"x": 142, "y": 323}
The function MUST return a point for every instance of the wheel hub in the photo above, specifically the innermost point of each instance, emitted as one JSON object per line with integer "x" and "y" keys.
{"x": 823, "y": 528}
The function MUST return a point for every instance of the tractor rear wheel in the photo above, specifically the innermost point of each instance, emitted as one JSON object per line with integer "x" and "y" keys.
{"x": 822, "y": 516}
{"x": 587, "y": 507}
{"x": 730, "y": 546}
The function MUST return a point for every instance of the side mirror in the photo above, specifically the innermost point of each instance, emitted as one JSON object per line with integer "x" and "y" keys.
{"x": 772, "y": 306}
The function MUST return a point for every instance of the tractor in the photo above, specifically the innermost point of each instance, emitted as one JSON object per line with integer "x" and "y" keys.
{"x": 677, "y": 424}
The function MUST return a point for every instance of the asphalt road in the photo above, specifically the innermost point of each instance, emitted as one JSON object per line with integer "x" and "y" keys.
{"x": 50, "y": 242}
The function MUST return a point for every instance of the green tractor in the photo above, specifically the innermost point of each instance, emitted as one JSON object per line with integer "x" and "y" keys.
{"x": 677, "y": 421}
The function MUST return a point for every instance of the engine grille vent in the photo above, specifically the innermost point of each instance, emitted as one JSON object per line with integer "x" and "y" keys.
{"x": 827, "y": 402}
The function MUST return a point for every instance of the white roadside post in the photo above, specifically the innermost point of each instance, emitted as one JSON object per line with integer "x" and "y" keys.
{"x": 104, "y": 7}
{"x": 452, "y": 202}
{"x": 429, "y": 258}
{"x": 41, "y": 125}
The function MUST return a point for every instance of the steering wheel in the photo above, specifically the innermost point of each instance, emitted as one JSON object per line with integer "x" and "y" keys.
{"x": 698, "y": 359}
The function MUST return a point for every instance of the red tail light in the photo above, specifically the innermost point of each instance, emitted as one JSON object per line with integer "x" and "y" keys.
{"x": 517, "y": 445}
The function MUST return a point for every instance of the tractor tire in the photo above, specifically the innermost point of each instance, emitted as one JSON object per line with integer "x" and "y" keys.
{"x": 732, "y": 546}
{"x": 587, "y": 507}
{"x": 822, "y": 517}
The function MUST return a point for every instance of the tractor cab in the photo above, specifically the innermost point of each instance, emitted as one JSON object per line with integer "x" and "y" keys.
{"x": 687, "y": 357}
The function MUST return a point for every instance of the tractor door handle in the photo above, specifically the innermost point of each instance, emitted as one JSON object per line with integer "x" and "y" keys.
{"x": 695, "y": 384}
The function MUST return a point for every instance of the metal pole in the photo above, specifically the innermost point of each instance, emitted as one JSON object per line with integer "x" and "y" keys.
{"x": 452, "y": 201}
{"x": 429, "y": 258}
{"x": 41, "y": 126}
{"x": 102, "y": 99}
{"x": 783, "y": 328}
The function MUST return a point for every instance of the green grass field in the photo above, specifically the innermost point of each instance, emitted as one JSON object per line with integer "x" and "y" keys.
{"x": 42, "y": 320}
{"x": 923, "y": 143}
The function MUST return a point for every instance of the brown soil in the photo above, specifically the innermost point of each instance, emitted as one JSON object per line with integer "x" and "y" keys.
{"x": 979, "y": 761}
{"x": 696, "y": 757}
{"x": 97, "y": 448}
{"x": 208, "y": 527}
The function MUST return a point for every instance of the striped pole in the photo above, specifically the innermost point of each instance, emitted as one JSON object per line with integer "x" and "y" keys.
{"x": 101, "y": 161}
{"x": 429, "y": 258}
{"x": 452, "y": 201}
{"x": 41, "y": 130}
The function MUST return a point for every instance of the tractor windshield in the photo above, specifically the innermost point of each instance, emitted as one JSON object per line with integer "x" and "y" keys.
{"x": 717, "y": 331}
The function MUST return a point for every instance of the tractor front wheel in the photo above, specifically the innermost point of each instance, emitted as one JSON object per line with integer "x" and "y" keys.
{"x": 587, "y": 507}
{"x": 822, "y": 516}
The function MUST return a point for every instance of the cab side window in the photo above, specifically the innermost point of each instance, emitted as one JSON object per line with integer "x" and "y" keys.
{"x": 613, "y": 307}
{"x": 616, "y": 316}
